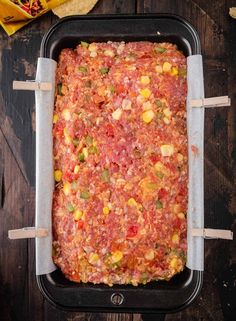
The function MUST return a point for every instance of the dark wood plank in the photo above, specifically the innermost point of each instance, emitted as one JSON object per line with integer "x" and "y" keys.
{"x": 13, "y": 255}
{"x": 114, "y": 7}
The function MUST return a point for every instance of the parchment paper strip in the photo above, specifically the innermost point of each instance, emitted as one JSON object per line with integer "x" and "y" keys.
{"x": 195, "y": 122}
{"x": 44, "y": 164}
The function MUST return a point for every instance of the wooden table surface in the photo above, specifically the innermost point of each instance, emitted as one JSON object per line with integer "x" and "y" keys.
{"x": 20, "y": 298}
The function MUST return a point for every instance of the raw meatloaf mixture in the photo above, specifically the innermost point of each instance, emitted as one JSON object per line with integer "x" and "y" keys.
{"x": 120, "y": 152}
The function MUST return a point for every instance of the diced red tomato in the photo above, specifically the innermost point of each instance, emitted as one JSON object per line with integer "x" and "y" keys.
{"x": 154, "y": 158}
{"x": 80, "y": 224}
{"x": 59, "y": 128}
{"x": 162, "y": 193}
{"x": 109, "y": 130}
{"x": 132, "y": 231}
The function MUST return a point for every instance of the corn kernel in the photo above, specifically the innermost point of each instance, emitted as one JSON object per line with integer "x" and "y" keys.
{"x": 117, "y": 114}
{"x": 66, "y": 114}
{"x": 174, "y": 263}
{"x": 143, "y": 231}
{"x": 174, "y": 71}
{"x": 63, "y": 89}
{"x": 55, "y": 118}
{"x": 68, "y": 139}
{"x": 58, "y": 175}
{"x": 167, "y": 112}
{"x": 167, "y": 150}
{"x": 92, "y": 47}
{"x": 149, "y": 255}
{"x": 148, "y": 185}
{"x": 106, "y": 210}
{"x": 93, "y": 54}
{"x": 146, "y": 93}
{"x": 76, "y": 169}
{"x": 166, "y": 66}
{"x": 66, "y": 188}
{"x": 93, "y": 258}
{"x": 177, "y": 208}
{"x": 180, "y": 157}
{"x": 145, "y": 80}
{"x": 181, "y": 215}
{"x": 116, "y": 256}
{"x": 148, "y": 116}
{"x": 101, "y": 91}
{"x": 77, "y": 215}
{"x": 175, "y": 238}
{"x": 85, "y": 152}
{"x": 159, "y": 69}
{"x": 109, "y": 53}
{"x": 158, "y": 166}
{"x": 132, "y": 68}
{"x": 166, "y": 120}
{"x": 132, "y": 202}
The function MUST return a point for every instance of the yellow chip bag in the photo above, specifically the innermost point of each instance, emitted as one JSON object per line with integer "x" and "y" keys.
{"x": 14, "y": 14}
{"x": 20, "y": 10}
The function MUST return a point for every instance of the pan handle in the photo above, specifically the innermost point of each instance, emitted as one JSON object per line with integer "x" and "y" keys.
{"x": 153, "y": 317}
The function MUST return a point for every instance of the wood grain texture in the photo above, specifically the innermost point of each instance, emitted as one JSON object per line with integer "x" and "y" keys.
{"x": 20, "y": 298}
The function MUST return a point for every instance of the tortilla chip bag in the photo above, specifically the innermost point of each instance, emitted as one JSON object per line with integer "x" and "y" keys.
{"x": 14, "y": 14}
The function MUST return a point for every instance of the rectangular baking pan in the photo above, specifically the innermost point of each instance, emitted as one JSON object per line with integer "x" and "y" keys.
{"x": 154, "y": 297}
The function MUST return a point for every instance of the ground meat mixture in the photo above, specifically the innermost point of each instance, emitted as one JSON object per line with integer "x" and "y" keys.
{"x": 120, "y": 158}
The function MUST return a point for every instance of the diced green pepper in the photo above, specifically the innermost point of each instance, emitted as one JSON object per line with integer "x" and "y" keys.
{"x": 183, "y": 255}
{"x": 59, "y": 87}
{"x": 160, "y": 49}
{"x": 104, "y": 70}
{"x": 83, "y": 69}
{"x": 105, "y": 176}
{"x": 81, "y": 157}
{"x": 159, "y": 204}
{"x": 144, "y": 277}
{"x": 84, "y": 44}
{"x": 182, "y": 72}
{"x": 160, "y": 175}
{"x": 112, "y": 89}
{"x": 158, "y": 102}
{"x": 151, "y": 186}
{"x": 131, "y": 55}
{"x": 70, "y": 207}
{"x": 84, "y": 195}
{"x": 159, "y": 115}
{"x": 75, "y": 141}
{"x": 74, "y": 185}
{"x": 92, "y": 150}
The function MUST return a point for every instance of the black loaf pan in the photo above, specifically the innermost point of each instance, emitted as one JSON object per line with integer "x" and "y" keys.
{"x": 155, "y": 297}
